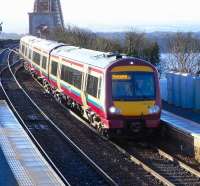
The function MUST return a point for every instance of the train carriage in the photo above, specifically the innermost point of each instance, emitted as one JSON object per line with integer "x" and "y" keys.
{"x": 115, "y": 93}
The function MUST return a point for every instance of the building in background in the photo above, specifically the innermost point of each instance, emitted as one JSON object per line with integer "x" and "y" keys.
{"x": 47, "y": 16}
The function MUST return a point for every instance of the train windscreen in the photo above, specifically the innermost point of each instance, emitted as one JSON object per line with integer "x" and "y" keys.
{"x": 131, "y": 86}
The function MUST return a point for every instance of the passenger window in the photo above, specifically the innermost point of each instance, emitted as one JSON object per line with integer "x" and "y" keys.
{"x": 54, "y": 68}
{"x": 29, "y": 54}
{"x": 36, "y": 58}
{"x": 44, "y": 62}
{"x": 64, "y": 74}
{"x": 76, "y": 78}
{"x": 92, "y": 84}
{"x": 71, "y": 76}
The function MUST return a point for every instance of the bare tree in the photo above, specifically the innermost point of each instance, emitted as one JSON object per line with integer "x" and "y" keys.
{"x": 85, "y": 38}
{"x": 184, "y": 54}
{"x": 82, "y": 37}
{"x": 134, "y": 42}
{"x": 138, "y": 45}
{"x": 74, "y": 36}
{"x": 106, "y": 45}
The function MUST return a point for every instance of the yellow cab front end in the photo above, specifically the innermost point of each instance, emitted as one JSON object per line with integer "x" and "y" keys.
{"x": 135, "y": 98}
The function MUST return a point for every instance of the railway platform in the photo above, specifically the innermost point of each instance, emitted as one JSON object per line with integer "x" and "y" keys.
{"x": 185, "y": 113}
{"x": 20, "y": 160}
{"x": 182, "y": 131}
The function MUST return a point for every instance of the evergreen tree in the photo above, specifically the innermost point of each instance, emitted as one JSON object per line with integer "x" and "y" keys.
{"x": 155, "y": 54}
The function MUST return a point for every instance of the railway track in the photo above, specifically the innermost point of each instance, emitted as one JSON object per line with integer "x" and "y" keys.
{"x": 169, "y": 168}
{"x": 116, "y": 164}
{"x": 164, "y": 167}
{"x": 3, "y": 64}
{"x": 72, "y": 165}
{"x": 3, "y": 53}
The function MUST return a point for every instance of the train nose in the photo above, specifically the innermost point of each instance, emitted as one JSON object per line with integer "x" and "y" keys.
{"x": 134, "y": 108}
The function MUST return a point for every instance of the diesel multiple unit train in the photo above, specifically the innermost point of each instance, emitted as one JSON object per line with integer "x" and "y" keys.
{"x": 115, "y": 93}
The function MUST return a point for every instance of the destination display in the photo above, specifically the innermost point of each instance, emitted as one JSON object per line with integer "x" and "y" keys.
{"x": 121, "y": 77}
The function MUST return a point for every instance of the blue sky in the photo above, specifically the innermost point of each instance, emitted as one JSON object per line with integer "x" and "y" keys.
{"x": 110, "y": 15}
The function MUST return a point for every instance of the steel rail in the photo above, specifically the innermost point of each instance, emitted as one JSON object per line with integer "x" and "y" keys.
{"x": 3, "y": 50}
{"x": 180, "y": 163}
{"x": 161, "y": 152}
{"x": 92, "y": 163}
{"x": 131, "y": 157}
{"x": 136, "y": 160}
{"x": 24, "y": 125}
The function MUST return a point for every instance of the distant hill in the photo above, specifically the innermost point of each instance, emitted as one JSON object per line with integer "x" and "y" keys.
{"x": 13, "y": 36}
{"x": 160, "y": 37}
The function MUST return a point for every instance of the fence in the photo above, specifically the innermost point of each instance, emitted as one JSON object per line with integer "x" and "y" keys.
{"x": 182, "y": 90}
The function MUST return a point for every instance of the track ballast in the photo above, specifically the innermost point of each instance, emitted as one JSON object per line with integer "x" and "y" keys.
{"x": 72, "y": 165}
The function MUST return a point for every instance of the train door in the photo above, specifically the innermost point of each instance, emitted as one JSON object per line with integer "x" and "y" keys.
{"x": 53, "y": 71}
{"x": 59, "y": 75}
{"x": 84, "y": 87}
{"x": 40, "y": 64}
{"x": 43, "y": 66}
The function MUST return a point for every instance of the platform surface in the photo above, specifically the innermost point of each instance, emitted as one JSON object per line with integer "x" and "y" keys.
{"x": 21, "y": 163}
{"x": 190, "y": 114}
{"x": 6, "y": 176}
{"x": 180, "y": 123}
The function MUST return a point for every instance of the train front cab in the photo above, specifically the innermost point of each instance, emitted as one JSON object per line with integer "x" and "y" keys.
{"x": 133, "y": 96}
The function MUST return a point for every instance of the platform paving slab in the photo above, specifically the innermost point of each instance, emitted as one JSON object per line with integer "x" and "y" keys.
{"x": 22, "y": 163}
{"x": 193, "y": 115}
{"x": 6, "y": 176}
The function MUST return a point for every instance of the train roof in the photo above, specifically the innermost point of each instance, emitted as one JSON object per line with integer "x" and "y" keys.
{"x": 44, "y": 45}
{"x": 86, "y": 56}
{"x": 82, "y": 55}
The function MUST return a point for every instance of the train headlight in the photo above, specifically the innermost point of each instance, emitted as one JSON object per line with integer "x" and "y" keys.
{"x": 114, "y": 110}
{"x": 154, "y": 109}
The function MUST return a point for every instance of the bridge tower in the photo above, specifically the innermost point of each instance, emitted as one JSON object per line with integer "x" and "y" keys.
{"x": 47, "y": 15}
